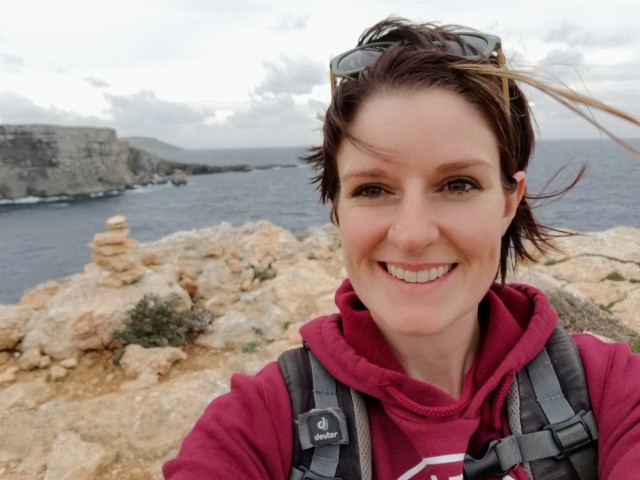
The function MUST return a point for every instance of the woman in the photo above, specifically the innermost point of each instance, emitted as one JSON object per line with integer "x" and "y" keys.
{"x": 425, "y": 149}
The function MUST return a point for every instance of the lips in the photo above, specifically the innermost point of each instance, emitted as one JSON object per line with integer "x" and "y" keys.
{"x": 420, "y": 276}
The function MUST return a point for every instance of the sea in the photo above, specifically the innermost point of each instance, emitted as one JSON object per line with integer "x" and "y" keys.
{"x": 44, "y": 239}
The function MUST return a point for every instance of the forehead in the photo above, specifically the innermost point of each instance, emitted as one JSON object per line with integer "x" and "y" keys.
{"x": 433, "y": 126}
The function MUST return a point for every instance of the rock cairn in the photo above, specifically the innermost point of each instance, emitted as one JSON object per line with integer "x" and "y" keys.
{"x": 112, "y": 254}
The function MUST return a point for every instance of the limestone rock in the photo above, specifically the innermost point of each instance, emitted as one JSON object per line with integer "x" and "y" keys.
{"x": 38, "y": 298}
{"x": 138, "y": 361}
{"x": 112, "y": 255}
{"x": 25, "y": 396}
{"x": 56, "y": 372}
{"x": 628, "y": 309}
{"x": 30, "y": 359}
{"x": 179, "y": 177}
{"x": 48, "y": 160}
{"x": 84, "y": 314}
{"x": 71, "y": 362}
{"x": 45, "y": 362}
{"x": 9, "y": 375}
{"x": 139, "y": 422}
{"x": 127, "y": 277}
{"x": 13, "y": 320}
{"x": 4, "y": 357}
{"x": 74, "y": 459}
{"x": 117, "y": 249}
{"x": 8, "y": 339}
{"x": 120, "y": 262}
{"x": 117, "y": 222}
{"x": 111, "y": 237}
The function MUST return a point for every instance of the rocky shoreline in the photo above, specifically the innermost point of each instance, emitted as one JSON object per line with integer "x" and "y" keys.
{"x": 46, "y": 161}
{"x": 67, "y": 412}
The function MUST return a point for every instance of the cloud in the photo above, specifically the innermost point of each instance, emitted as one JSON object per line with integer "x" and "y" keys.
{"x": 270, "y": 112}
{"x": 289, "y": 23}
{"x": 144, "y": 108}
{"x": 292, "y": 75}
{"x": 11, "y": 63}
{"x": 15, "y": 108}
{"x": 96, "y": 82}
{"x": 563, "y": 57}
{"x": 575, "y": 36}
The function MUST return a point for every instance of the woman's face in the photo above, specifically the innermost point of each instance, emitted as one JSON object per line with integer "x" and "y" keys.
{"x": 422, "y": 212}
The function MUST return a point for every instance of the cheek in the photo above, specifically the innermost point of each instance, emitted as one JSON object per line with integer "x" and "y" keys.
{"x": 359, "y": 234}
{"x": 479, "y": 235}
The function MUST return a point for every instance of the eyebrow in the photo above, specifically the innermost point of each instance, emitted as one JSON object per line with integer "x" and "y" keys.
{"x": 443, "y": 169}
{"x": 462, "y": 165}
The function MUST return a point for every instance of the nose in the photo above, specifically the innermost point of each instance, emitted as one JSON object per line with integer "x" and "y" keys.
{"x": 414, "y": 224}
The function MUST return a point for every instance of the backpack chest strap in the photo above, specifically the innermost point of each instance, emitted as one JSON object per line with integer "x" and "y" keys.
{"x": 568, "y": 435}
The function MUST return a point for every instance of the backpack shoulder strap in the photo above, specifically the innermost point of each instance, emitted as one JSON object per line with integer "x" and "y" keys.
{"x": 331, "y": 432}
{"x": 554, "y": 397}
{"x": 554, "y": 430}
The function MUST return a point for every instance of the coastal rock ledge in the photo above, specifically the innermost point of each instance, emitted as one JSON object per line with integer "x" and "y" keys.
{"x": 67, "y": 411}
{"x": 51, "y": 161}
{"x": 47, "y": 161}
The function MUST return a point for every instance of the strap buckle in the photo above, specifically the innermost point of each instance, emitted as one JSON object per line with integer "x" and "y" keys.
{"x": 570, "y": 435}
{"x": 309, "y": 475}
{"x": 486, "y": 466}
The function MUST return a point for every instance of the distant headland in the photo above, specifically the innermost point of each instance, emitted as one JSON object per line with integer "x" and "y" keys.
{"x": 50, "y": 161}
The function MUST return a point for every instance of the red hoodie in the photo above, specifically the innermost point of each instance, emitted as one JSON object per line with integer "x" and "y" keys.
{"x": 417, "y": 431}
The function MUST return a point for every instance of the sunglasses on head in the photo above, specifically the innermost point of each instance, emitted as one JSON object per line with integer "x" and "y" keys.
{"x": 468, "y": 45}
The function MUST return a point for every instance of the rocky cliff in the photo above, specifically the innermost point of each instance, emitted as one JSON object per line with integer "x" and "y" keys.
{"x": 45, "y": 160}
{"x": 67, "y": 412}
{"x": 49, "y": 161}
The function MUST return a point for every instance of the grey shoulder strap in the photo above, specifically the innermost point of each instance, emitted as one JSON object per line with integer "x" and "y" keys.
{"x": 545, "y": 426}
{"x": 325, "y": 457}
{"x": 364, "y": 435}
{"x": 326, "y": 428}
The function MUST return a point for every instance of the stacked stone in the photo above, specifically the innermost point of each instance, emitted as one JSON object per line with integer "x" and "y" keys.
{"x": 112, "y": 254}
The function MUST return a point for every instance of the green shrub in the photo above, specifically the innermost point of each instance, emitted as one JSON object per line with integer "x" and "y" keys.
{"x": 262, "y": 274}
{"x": 635, "y": 345}
{"x": 158, "y": 322}
{"x": 251, "y": 347}
{"x": 615, "y": 277}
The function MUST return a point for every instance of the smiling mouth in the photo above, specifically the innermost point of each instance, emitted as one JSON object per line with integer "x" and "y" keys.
{"x": 421, "y": 276}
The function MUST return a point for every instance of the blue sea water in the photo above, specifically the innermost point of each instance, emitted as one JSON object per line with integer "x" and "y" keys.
{"x": 44, "y": 240}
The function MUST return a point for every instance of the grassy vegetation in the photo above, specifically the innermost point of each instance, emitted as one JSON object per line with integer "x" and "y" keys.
{"x": 158, "y": 322}
{"x": 578, "y": 315}
{"x": 250, "y": 347}
{"x": 262, "y": 274}
{"x": 615, "y": 277}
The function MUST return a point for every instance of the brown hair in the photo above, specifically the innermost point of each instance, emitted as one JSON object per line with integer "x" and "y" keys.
{"x": 416, "y": 63}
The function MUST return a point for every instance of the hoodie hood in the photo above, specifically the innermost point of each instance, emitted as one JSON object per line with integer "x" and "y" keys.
{"x": 518, "y": 322}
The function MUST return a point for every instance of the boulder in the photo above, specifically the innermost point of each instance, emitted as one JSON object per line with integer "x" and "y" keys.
{"x": 72, "y": 458}
{"x": 179, "y": 177}
{"x": 157, "y": 361}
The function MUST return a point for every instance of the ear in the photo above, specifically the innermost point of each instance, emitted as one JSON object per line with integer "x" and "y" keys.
{"x": 513, "y": 199}
{"x": 334, "y": 212}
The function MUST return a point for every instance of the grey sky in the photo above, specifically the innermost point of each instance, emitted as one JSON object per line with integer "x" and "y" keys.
{"x": 213, "y": 73}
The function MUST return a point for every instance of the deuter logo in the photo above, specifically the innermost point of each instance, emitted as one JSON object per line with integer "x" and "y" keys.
{"x": 323, "y": 424}
{"x": 324, "y": 428}
{"x": 325, "y": 436}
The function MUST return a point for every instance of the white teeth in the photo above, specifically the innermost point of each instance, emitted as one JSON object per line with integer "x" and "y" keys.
{"x": 421, "y": 276}
{"x": 410, "y": 276}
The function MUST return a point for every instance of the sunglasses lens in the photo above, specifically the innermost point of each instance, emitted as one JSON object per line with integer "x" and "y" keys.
{"x": 469, "y": 46}
{"x": 358, "y": 60}
{"x": 354, "y": 61}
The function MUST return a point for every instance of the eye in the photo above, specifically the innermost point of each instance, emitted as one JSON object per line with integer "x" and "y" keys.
{"x": 460, "y": 185}
{"x": 369, "y": 191}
